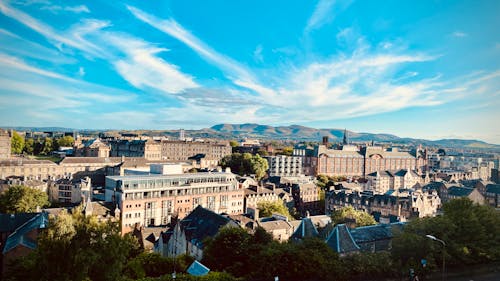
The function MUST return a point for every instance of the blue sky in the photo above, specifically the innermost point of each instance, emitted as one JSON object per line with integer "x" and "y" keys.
{"x": 427, "y": 69}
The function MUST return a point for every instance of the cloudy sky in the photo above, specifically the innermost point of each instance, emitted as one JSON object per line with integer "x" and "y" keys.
{"x": 427, "y": 69}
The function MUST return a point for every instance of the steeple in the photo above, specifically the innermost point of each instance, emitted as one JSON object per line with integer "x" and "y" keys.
{"x": 346, "y": 140}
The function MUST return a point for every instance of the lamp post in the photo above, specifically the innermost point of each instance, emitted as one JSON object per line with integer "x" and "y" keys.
{"x": 444, "y": 246}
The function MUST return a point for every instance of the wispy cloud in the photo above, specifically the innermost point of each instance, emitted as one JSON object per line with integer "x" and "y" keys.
{"x": 459, "y": 34}
{"x": 73, "y": 9}
{"x": 72, "y": 39}
{"x": 143, "y": 69}
{"x": 134, "y": 59}
{"x": 257, "y": 54}
{"x": 325, "y": 12}
{"x": 169, "y": 26}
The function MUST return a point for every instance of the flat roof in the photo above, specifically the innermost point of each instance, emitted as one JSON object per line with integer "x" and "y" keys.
{"x": 156, "y": 176}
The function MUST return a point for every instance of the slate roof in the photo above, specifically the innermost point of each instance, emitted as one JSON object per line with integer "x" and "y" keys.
{"x": 341, "y": 240}
{"x": 493, "y": 188}
{"x": 40, "y": 220}
{"x": 305, "y": 229}
{"x": 10, "y": 222}
{"x": 202, "y": 223}
{"x": 91, "y": 160}
{"x": 459, "y": 191}
{"x": 275, "y": 225}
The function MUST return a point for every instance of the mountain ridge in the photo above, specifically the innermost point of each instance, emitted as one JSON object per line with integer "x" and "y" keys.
{"x": 292, "y": 132}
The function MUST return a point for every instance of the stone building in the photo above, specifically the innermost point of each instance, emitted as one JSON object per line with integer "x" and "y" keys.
{"x": 91, "y": 148}
{"x": 169, "y": 150}
{"x": 387, "y": 207}
{"x": 153, "y": 200}
{"x": 306, "y": 198}
{"x": 189, "y": 234}
{"x": 70, "y": 191}
{"x": 352, "y": 161}
{"x": 5, "y": 148}
{"x": 255, "y": 194}
{"x": 383, "y": 181}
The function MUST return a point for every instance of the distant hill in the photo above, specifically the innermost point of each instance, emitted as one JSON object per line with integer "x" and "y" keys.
{"x": 297, "y": 132}
{"x": 292, "y": 132}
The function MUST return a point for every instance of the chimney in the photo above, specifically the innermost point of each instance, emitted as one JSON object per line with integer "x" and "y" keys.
{"x": 325, "y": 141}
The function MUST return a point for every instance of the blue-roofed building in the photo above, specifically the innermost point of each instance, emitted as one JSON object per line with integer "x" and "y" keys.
{"x": 306, "y": 229}
{"x": 19, "y": 233}
{"x": 188, "y": 235}
{"x": 492, "y": 195}
{"x": 373, "y": 238}
{"x": 473, "y": 194}
{"x": 341, "y": 240}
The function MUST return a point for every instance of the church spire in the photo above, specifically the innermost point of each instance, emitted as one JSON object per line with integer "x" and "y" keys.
{"x": 346, "y": 140}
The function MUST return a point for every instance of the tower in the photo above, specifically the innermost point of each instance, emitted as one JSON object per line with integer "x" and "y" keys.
{"x": 345, "y": 141}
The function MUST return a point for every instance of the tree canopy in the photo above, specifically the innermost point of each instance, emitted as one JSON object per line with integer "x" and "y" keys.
{"x": 268, "y": 208}
{"x": 471, "y": 233}
{"x": 22, "y": 199}
{"x": 246, "y": 164}
{"x": 77, "y": 247}
{"x": 66, "y": 141}
{"x": 349, "y": 214}
{"x": 16, "y": 143}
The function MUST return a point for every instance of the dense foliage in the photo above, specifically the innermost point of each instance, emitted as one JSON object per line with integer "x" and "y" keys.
{"x": 16, "y": 143}
{"x": 349, "y": 214}
{"x": 77, "y": 247}
{"x": 259, "y": 257}
{"x": 324, "y": 181}
{"x": 246, "y": 164}
{"x": 22, "y": 199}
{"x": 471, "y": 233}
{"x": 267, "y": 209}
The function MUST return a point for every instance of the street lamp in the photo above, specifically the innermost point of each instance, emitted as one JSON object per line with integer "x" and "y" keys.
{"x": 444, "y": 245}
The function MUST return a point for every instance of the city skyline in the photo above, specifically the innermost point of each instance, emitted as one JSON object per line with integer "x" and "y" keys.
{"x": 423, "y": 70}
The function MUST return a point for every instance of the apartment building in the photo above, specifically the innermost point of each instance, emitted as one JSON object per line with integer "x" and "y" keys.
{"x": 284, "y": 166}
{"x": 153, "y": 200}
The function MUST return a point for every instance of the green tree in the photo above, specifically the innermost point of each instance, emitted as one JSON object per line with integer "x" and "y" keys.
{"x": 471, "y": 233}
{"x": 233, "y": 143}
{"x": 287, "y": 150}
{"x": 47, "y": 147}
{"x": 16, "y": 143}
{"x": 268, "y": 208}
{"x": 228, "y": 251}
{"x": 22, "y": 199}
{"x": 347, "y": 214}
{"x": 245, "y": 164}
{"x": 259, "y": 166}
{"x": 66, "y": 141}
{"x": 78, "y": 247}
{"x": 29, "y": 146}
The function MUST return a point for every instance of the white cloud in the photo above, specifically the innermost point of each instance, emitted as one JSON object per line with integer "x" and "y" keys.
{"x": 134, "y": 59}
{"x": 81, "y": 71}
{"x": 174, "y": 29}
{"x": 459, "y": 34}
{"x": 257, "y": 54}
{"x": 74, "y": 9}
{"x": 324, "y": 13}
{"x": 143, "y": 69}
